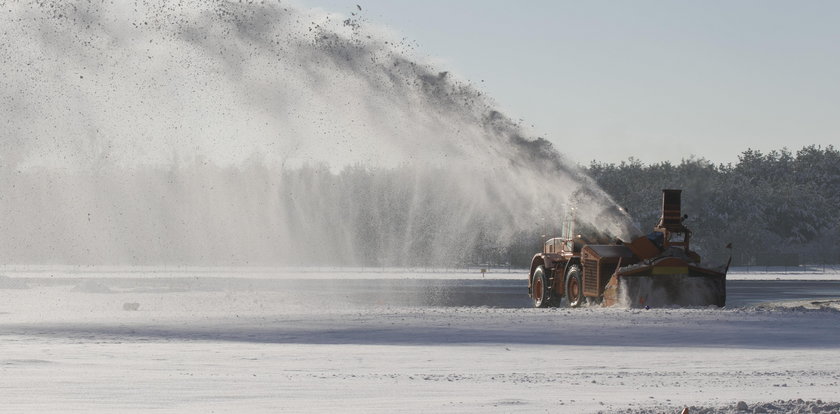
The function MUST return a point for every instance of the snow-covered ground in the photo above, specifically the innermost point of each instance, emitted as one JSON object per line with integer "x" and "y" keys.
{"x": 805, "y": 272}
{"x": 809, "y": 272}
{"x": 71, "y": 342}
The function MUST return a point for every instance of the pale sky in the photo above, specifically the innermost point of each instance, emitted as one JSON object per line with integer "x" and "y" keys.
{"x": 656, "y": 80}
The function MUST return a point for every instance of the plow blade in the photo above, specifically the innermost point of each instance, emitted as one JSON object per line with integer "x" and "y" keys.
{"x": 666, "y": 290}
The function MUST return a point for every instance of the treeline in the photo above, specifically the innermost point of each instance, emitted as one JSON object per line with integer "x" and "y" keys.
{"x": 776, "y": 208}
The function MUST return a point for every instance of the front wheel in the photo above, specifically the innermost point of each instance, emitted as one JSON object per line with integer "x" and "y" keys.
{"x": 540, "y": 292}
{"x": 574, "y": 287}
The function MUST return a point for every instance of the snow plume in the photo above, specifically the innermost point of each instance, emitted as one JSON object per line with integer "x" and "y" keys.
{"x": 220, "y": 132}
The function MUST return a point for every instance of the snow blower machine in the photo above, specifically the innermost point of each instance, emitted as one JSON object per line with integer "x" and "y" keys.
{"x": 654, "y": 270}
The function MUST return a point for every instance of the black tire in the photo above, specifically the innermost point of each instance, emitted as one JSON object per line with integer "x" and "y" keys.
{"x": 574, "y": 287}
{"x": 540, "y": 292}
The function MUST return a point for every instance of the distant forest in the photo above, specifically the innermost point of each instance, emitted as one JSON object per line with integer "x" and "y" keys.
{"x": 776, "y": 208}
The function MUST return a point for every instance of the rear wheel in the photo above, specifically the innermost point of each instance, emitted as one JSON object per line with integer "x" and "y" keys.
{"x": 574, "y": 287}
{"x": 540, "y": 292}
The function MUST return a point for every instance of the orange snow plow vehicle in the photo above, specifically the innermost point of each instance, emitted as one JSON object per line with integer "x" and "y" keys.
{"x": 654, "y": 270}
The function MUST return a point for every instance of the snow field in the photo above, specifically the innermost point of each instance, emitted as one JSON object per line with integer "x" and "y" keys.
{"x": 72, "y": 347}
{"x": 810, "y": 272}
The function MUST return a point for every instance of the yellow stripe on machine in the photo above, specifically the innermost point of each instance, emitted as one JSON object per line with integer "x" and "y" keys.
{"x": 670, "y": 270}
